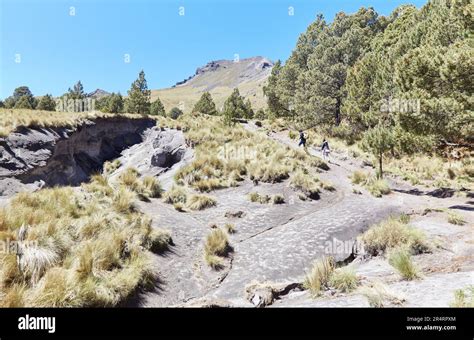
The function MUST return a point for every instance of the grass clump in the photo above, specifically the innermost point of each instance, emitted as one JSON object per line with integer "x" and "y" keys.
{"x": 216, "y": 247}
{"x": 391, "y": 233}
{"x": 344, "y": 279}
{"x": 377, "y": 187}
{"x": 463, "y": 299}
{"x": 80, "y": 248}
{"x": 200, "y": 202}
{"x": 230, "y": 228}
{"x": 455, "y": 218}
{"x": 176, "y": 194}
{"x": 278, "y": 199}
{"x": 359, "y": 177}
{"x": 318, "y": 277}
{"x": 259, "y": 198}
{"x": 400, "y": 259}
{"x": 299, "y": 180}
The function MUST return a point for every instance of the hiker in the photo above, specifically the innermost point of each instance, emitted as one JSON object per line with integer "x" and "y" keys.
{"x": 325, "y": 149}
{"x": 302, "y": 139}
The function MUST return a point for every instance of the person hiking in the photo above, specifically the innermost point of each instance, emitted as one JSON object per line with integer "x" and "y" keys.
{"x": 325, "y": 149}
{"x": 302, "y": 139}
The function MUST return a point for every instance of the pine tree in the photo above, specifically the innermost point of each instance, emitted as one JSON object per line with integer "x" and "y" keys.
{"x": 77, "y": 92}
{"x": 378, "y": 141}
{"x": 157, "y": 108}
{"x": 249, "y": 113}
{"x": 205, "y": 105}
{"x": 23, "y": 103}
{"x": 46, "y": 103}
{"x": 234, "y": 108}
{"x": 175, "y": 113}
{"x": 139, "y": 96}
{"x": 115, "y": 103}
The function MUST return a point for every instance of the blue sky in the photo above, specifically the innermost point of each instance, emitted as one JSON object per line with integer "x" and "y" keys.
{"x": 56, "y": 48}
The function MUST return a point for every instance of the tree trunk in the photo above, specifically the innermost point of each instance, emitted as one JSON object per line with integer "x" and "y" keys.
{"x": 380, "y": 175}
{"x": 338, "y": 111}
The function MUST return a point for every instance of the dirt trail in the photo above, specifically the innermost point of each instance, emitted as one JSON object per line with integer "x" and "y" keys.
{"x": 273, "y": 242}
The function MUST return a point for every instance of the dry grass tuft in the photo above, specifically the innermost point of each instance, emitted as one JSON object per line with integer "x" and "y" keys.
{"x": 400, "y": 259}
{"x": 201, "y": 202}
{"x": 318, "y": 277}
{"x": 216, "y": 247}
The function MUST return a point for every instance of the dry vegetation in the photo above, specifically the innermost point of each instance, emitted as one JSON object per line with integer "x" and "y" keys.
{"x": 216, "y": 247}
{"x": 11, "y": 119}
{"x": 80, "y": 247}
{"x": 377, "y": 187}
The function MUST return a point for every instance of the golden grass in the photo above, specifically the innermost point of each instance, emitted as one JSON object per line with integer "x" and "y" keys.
{"x": 306, "y": 183}
{"x": 344, "y": 279}
{"x": 318, "y": 277}
{"x": 11, "y": 119}
{"x": 455, "y": 218}
{"x": 400, "y": 259}
{"x": 201, "y": 202}
{"x": 82, "y": 247}
{"x": 216, "y": 247}
{"x": 391, "y": 233}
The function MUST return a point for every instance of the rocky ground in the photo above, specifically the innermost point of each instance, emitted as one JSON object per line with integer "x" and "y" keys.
{"x": 275, "y": 244}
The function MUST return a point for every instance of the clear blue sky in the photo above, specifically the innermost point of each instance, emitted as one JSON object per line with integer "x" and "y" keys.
{"x": 57, "y": 49}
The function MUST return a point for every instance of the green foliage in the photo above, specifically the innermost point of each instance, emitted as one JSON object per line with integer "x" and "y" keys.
{"x": 113, "y": 103}
{"x": 22, "y": 98}
{"x": 378, "y": 140}
{"x": 157, "y": 108}
{"x": 46, "y": 103}
{"x": 235, "y": 108}
{"x": 138, "y": 100}
{"x": 77, "y": 92}
{"x": 175, "y": 113}
{"x": 205, "y": 105}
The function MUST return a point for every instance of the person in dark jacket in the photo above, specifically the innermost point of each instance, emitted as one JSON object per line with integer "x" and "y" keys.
{"x": 325, "y": 149}
{"x": 302, "y": 139}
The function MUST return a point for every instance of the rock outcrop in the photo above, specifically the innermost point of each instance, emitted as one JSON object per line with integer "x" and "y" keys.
{"x": 61, "y": 156}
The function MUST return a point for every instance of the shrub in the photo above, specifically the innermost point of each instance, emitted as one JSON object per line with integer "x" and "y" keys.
{"x": 400, "y": 259}
{"x": 462, "y": 300}
{"x": 318, "y": 277}
{"x": 152, "y": 186}
{"x": 378, "y": 187}
{"x": 216, "y": 246}
{"x": 392, "y": 233}
{"x": 278, "y": 199}
{"x": 455, "y": 218}
{"x": 304, "y": 182}
{"x": 176, "y": 194}
{"x": 343, "y": 279}
{"x": 359, "y": 177}
{"x": 175, "y": 113}
{"x": 200, "y": 202}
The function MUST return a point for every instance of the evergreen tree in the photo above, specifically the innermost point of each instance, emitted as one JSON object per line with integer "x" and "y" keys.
{"x": 77, "y": 92}
{"x": 157, "y": 108}
{"x": 234, "y": 108}
{"x": 115, "y": 103}
{"x": 205, "y": 105}
{"x": 175, "y": 113}
{"x": 23, "y": 103}
{"x": 139, "y": 96}
{"x": 46, "y": 103}
{"x": 249, "y": 113}
{"x": 378, "y": 141}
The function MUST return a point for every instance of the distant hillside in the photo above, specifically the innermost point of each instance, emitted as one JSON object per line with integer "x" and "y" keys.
{"x": 220, "y": 77}
{"x": 99, "y": 93}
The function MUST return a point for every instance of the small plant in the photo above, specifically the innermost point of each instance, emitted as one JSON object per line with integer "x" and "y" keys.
{"x": 377, "y": 187}
{"x": 462, "y": 300}
{"x": 151, "y": 186}
{"x": 201, "y": 202}
{"x": 278, "y": 199}
{"x": 176, "y": 194}
{"x": 178, "y": 206}
{"x": 318, "y": 277}
{"x": 344, "y": 279}
{"x": 110, "y": 167}
{"x": 455, "y": 218}
{"x": 262, "y": 199}
{"x": 230, "y": 228}
{"x": 359, "y": 177}
{"x": 400, "y": 259}
{"x": 304, "y": 182}
{"x": 216, "y": 246}
{"x": 392, "y": 233}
